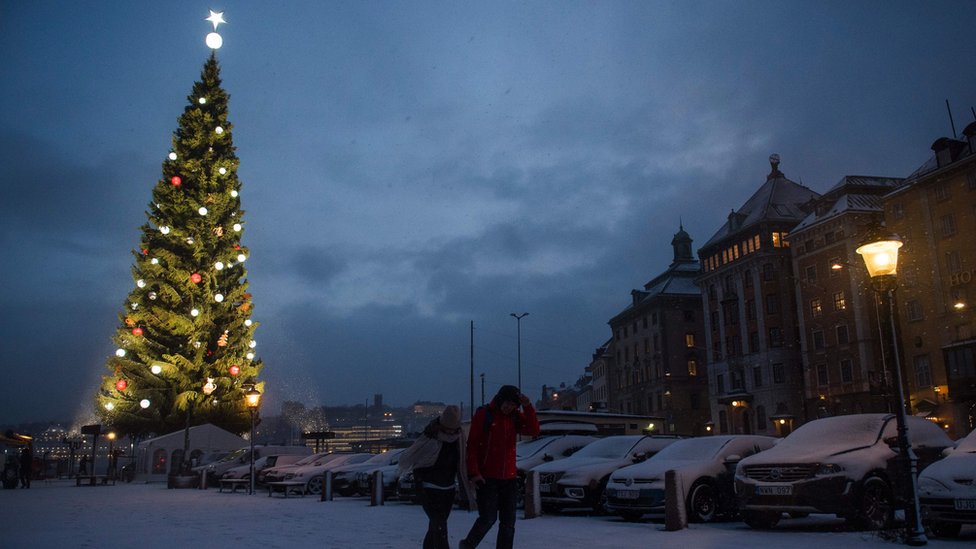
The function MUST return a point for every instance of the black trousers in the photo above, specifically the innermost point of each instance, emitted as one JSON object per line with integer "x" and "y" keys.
{"x": 437, "y": 504}
{"x": 496, "y": 500}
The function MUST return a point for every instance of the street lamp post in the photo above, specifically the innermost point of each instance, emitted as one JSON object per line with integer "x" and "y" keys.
{"x": 881, "y": 258}
{"x": 518, "y": 321}
{"x": 253, "y": 399}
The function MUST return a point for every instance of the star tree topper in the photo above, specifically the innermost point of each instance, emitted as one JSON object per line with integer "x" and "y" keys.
{"x": 216, "y": 17}
{"x": 214, "y": 40}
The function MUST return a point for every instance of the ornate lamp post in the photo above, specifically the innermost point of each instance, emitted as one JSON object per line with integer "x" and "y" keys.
{"x": 518, "y": 321}
{"x": 881, "y": 258}
{"x": 253, "y": 399}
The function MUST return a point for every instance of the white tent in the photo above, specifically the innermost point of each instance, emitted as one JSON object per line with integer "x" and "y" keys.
{"x": 157, "y": 456}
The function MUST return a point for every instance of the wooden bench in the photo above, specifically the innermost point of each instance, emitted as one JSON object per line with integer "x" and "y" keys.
{"x": 287, "y": 486}
{"x": 233, "y": 483}
{"x": 94, "y": 480}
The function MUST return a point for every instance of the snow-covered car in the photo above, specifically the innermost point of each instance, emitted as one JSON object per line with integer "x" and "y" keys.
{"x": 947, "y": 489}
{"x": 362, "y": 474}
{"x": 344, "y": 477}
{"x": 261, "y": 464}
{"x": 215, "y": 470}
{"x": 843, "y": 465}
{"x": 278, "y": 472}
{"x": 579, "y": 480}
{"x": 312, "y": 474}
{"x": 530, "y": 453}
{"x": 704, "y": 466}
{"x": 406, "y": 488}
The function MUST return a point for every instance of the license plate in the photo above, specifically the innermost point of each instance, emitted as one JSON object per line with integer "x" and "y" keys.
{"x": 965, "y": 504}
{"x": 628, "y": 494}
{"x": 775, "y": 490}
{"x": 545, "y": 488}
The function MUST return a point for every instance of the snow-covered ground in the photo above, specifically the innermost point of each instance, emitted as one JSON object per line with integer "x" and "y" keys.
{"x": 58, "y": 514}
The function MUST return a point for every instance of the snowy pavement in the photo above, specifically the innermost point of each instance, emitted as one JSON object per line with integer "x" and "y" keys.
{"x": 60, "y": 515}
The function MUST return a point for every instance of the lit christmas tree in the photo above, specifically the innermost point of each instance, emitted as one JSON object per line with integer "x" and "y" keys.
{"x": 186, "y": 349}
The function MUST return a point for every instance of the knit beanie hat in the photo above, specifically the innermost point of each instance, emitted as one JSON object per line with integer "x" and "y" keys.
{"x": 451, "y": 417}
{"x": 509, "y": 393}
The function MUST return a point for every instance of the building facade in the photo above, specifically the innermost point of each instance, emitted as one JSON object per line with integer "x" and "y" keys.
{"x": 845, "y": 370}
{"x": 658, "y": 367}
{"x": 755, "y": 368}
{"x": 935, "y": 215}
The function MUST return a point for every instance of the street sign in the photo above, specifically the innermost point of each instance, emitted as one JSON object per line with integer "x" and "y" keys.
{"x": 91, "y": 429}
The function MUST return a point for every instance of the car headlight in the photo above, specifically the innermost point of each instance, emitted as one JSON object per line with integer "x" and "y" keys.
{"x": 827, "y": 469}
{"x": 931, "y": 485}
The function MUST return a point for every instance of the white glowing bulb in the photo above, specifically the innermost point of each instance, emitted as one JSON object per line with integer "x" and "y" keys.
{"x": 156, "y": 368}
{"x": 172, "y": 156}
{"x": 120, "y": 353}
{"x": 196, "y": 344}
{"x": 109, "y": 406}
{"x": 248, "y": 322}
{"x": 234, "y": 194}
{"x": 164, "y": 229}
{"x": 237, "y": 227}
{"x": 214, "y": 41}
{"x": 219, "y": 265}
{"x": 144, "y": 403}
{"x": 202, "y": 100}
{"x": 189, "y": 240}
{"x": 135, "y": 306}
{"x": 194, "y": 312}
{"x": 219, "y": 130}
{"x": 249, "y": 356}
{"x": 222, "y": 170}
{"x": 141, "y": 283}
{"x": 154, "y": 261}
{"x": 241, "y": 258}
{"x": 202, "y": 211}
{"x": 252, "y": 344}
{"x": 218, "y": 298}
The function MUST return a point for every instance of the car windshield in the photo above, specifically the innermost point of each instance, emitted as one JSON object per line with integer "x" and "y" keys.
{"x": 692, "y": 449}
{"x": 379, "y": 458}
{"x": 233, "y": 456}
{"x": 841, "y": 432}
{"x": 612, "y": 447}
{"x": 532, "y": 447}
{"x": 311, "y": 459}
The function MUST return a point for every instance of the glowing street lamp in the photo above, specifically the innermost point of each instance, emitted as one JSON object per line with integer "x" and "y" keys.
{"x": 252, "y": 398}
{"x": 881, "y": 259}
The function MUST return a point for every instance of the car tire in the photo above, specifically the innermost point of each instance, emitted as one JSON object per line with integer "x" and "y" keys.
{"x": 314, "y": 486}
{"x": 702, "y": 502}
{"x": 877, "y": 507}
{"x": 946, "y": 529}
{"x": 598, "y": 500}
{"x": 760, "y": 520}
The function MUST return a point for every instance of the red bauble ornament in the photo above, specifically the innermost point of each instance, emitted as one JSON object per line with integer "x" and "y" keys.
{"x": 176, "y": 181}
{"x": 235, "y": 369}
{"x": 145, "y": 251}
{"x": 137, "y": 331}
{"x": 195, "y": 278}
{"x": 121, "y": 384}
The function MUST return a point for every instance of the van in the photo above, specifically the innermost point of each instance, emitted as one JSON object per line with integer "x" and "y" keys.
{"x": 243, "y": 456}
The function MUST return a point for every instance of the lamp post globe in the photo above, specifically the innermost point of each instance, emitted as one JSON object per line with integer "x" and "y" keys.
{"x": 880, "y": 255}
{"x": 252, "y": 398}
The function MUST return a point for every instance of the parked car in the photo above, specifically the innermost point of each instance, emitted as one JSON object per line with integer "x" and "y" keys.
{"x": 579, "y": 480}
{"x": 358, "y": 478}
{"x": 243, "y": 455}
{"x": 261, "y": 464}
{"x": 312, "y": 474}
{"x": 278, "y": 472}
{"x": 530, "y": 453}
{"x": 406, "y": 488}
{"x": 705, "y": 466}
{"x": 844, "y": 465}
{"x": 947, "y": 489}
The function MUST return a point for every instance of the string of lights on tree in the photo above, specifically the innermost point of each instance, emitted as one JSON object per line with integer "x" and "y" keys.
{"x": 186, "y": 347}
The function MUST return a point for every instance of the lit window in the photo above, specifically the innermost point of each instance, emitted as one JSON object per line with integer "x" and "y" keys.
{"x": 840, "y": 303}
{"x": 692, "y": 367}
{"x": 816, "y": 309}
{"x": 689, "y": 340}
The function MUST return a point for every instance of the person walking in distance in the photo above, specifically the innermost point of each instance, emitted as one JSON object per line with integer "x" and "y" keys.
{"x": 491, "y": 463}
{"x": 437, "y": 459}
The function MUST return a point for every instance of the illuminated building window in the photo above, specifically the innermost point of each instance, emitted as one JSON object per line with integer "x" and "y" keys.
{"x": 840, "y": 303}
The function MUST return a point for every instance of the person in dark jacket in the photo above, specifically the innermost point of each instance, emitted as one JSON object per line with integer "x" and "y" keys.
{"x": 491, "y": 463}
{"x": 26, "y": 466}
{"x": 437, "y": 459}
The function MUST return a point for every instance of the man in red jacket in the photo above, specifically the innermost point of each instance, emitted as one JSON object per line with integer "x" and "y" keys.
{"x": 491, "y": 462}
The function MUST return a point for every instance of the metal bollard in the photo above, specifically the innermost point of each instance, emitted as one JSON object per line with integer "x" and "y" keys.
{"x": 203, "y": 480}
{"x": 376, "y": 496}
{"x": 675, "y": 517}
{"x": 532, "y": 497}
{"x": 327, "y": 486}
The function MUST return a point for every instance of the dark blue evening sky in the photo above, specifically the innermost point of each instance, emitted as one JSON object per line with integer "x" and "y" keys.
{"x": 409, "y": 167}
